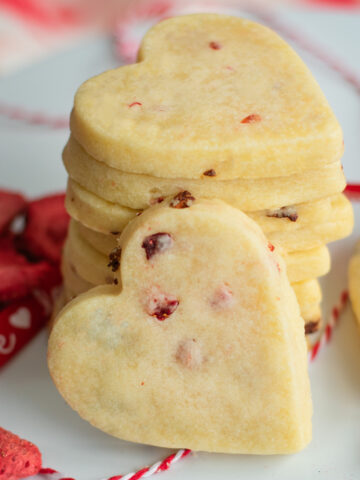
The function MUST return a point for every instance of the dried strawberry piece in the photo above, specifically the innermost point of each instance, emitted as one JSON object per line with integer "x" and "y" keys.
{"x": 182, "y": 200}
{"x": 311, "y": 327}
{"x": 114, "y": 258}
{"x": 161, "y": 305}
{"x": 215, "y": 45}
{"x": 157, "y": 243}
{"x": 46, "y": 227}
{"x": 17, "y": 275}
{"x": 253, "y": 118}
{"x": 18, "y": 458}
{"x": 11, "y": 205}
{"x": 210, "y": 173}
{"x": 284, "y": 212}
{"x": 133, "y": 104}
{"x": 271, "y": 247}
{"x": 156, "y": 200}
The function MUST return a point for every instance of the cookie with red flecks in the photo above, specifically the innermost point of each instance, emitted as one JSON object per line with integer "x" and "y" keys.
{"x": 46, "y": 227}
{"x": 18, "y": 458}
{"x": 201, "y": 343}
{"x": 11, "y": 205}
{"x": 211, "y": 95}
{"x": 18, "y": 276}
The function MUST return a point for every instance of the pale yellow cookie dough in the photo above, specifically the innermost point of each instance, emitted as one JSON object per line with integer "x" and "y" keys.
{"x": 203, "y": 348}
{"x": 210, "y": 92}
{"x": 251, "y": 194}
{"x": 93, "y": 265}
{"x": 337, "y": 224}
{"x": 329, "y": 219}
{"x": 354, "y": 281}
{"x": 94, "y": 212}
{"x": 308, "y": 293}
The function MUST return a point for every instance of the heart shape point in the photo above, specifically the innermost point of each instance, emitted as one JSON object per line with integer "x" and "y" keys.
{"x": 203, "y": 347}
{"x": 212, "y": 93}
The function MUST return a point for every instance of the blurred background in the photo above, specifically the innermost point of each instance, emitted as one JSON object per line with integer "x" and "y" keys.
{"x": 31, "y": 29}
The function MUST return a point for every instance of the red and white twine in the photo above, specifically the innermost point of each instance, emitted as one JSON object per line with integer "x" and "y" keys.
{"x": 327, "y": 331}
{"x": 162, "y": 466}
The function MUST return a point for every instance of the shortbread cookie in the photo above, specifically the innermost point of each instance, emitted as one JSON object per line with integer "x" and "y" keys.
{"x": 94, "y": 212}
{"x": 311, "y": 314}
{"x": 339, "y": 224}
{"x": 205, "y": 317}
{"x": 211, "y": 93}
{"x": 73, "y": 281}
{"x": 307, "y": 264}
{"x": 250, "y": 194}
{"x": 89, "y": 264}
{"x": 308, "y": 293}
{"x": 93, "y": 266}
{"x": 354, "y": 282}
{"x": 107, "y": 217}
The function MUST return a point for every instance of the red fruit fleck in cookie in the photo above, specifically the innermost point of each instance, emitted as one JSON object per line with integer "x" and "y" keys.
{"x": 284, "y": 212}
{"x": 271, "y": 247}
{"x": 46, "y": 228}
{"x": 161, "y": 305}
{"x": 222, "y": 298}
{"x": 157, "y": 243}
{"x": 182, "y": 200}
{"x": 156, "y": 200}
{"x": 253, "y": 118}
{"x": 18, "y": 458}
{"x": 210, "y": 173}
{"x": 311, "y": 327}
{"x": 188, "y": 354}
{"x": 11, "y": 205}
{"x": 114, "y": 258}
{"x": 134, "y": 103}
{"x": 215, "y": 45}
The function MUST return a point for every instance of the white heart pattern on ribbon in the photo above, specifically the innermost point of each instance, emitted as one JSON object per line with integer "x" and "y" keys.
{"x": 21, "y": 318}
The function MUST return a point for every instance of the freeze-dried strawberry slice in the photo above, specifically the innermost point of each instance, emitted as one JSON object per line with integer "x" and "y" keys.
{"x": 17, "y": 275}
{"x": 182, "y": 200}
{"x": 11, "y": 205}
{"x": 160, "y": 305}
{"x": 157, "y": 243}
{"x": 284, "y": 212}
{"x": 46, "y": 227}
{"x": 18, "y": 458}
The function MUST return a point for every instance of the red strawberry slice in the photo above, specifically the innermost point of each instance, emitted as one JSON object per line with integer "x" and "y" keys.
{"x": 46, "y": 227}
{"x": 18, "y": 458}
{"x": 11, "y": 205}
{"x": 17, "y": 275}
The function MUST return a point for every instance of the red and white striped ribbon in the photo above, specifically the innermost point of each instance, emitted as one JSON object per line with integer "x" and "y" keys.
{"x": 162, "y": 466}
{"x": 327, "y": 331}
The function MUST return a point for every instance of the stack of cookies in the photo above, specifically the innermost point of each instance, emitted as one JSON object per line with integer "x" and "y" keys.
{"x": 217, "y": 107}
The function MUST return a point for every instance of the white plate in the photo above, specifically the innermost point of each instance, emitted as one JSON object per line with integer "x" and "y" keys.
{"x": 30, "y": 404}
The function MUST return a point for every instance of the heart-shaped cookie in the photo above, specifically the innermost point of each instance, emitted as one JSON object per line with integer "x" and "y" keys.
{"x": 248, "y": 194}
{"x": 202, "y": 348}
{"x": 211, "y": 95}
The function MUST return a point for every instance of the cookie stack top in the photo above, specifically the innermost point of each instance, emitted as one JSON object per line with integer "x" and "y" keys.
{"x": 211, "y": 95}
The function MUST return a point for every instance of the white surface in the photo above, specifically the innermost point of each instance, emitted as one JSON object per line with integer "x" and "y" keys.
{"x": 30, "y": 404}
